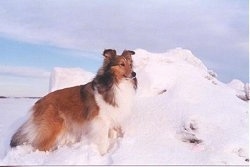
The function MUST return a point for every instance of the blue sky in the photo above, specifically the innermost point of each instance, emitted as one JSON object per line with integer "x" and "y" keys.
{"x": 37, "y": 35}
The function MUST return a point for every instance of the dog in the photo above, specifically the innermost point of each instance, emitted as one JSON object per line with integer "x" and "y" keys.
{"x": 95, "y": 111}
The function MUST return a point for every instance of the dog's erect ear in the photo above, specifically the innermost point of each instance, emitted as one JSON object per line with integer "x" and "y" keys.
{"x": 109, "y": 53}
{"x": 127, "y": 54}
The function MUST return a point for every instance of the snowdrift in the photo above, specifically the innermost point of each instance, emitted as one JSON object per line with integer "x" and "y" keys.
{"x": 182, "y": 115}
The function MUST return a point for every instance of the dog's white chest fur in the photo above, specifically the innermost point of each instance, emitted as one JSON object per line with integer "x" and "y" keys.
{"x": 123, "y": 94}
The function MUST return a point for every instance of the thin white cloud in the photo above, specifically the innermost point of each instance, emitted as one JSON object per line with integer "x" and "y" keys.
{"x": 153, "y": 25}
{"x": 24, "y": 72}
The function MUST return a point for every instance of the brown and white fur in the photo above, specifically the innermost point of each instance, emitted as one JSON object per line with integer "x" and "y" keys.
{"x": 94, "y": 111}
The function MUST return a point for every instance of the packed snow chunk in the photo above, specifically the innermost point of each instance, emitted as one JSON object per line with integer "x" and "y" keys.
{"x": 158, "y": 72}
{"x": 187, "y": 55}
{"x": 66, "y": 77}
{"x": 241, "y": 89}
{"x": 236, "y": 84}
{"x": 173, "y": 55}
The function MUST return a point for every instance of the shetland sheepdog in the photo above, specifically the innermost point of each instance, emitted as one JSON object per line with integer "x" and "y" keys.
{"x": 95, "y": 111}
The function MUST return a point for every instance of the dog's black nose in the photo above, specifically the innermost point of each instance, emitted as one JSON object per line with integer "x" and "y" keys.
{"x": 133, "y": 74}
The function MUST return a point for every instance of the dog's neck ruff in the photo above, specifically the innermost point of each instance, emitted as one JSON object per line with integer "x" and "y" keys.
{"x": 124, "y": 94}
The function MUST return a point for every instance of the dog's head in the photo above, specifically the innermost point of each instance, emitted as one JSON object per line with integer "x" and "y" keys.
{"x": 121, "y": 66}
{"x": 115, "y": 69}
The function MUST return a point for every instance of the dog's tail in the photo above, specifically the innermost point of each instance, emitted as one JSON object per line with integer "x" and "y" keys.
{"x": 22, "y": 135}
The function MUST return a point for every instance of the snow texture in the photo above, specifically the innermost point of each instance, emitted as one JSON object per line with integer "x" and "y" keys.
{"x": 241, "y": 89}
{"x": 66, "y": 77}
{"x": 182, "y": 115}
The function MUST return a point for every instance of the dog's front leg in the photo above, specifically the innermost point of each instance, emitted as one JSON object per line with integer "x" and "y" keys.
{"x": 115, "y": 132}
{"x": 99, "y": 134}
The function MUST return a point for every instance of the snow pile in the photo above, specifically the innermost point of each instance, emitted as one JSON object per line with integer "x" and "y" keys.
{"x": 157, "y": 72}
{"x": 241, "y": 89}
{"x": 182, "y": 115}
{"x": 66, "y": 77}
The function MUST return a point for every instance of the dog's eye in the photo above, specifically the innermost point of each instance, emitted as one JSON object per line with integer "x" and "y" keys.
{"x": 122, "y": 64}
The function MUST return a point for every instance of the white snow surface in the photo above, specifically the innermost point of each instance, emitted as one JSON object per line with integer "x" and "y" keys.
{"x": 241, "y": 89}
{"x": 181, "y": 115}
{"x": 66, "y": 77}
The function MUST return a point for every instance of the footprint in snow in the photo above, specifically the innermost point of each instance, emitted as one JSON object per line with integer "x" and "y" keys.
{"x": 188, "y": 133}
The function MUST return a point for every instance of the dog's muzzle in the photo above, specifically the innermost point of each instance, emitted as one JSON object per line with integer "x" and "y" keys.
{"x": 133, "y": 76}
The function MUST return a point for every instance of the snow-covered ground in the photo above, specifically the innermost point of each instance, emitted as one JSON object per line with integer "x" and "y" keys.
{"x": 182, "y": 115}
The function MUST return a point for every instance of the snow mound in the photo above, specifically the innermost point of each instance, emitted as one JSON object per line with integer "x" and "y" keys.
{"x": 159, "y": 72}
{"x": 241, "y": 89}
{"x": 66, "y": 77}
{"x": 171, "y": 56}
{"x": 182, "y": 115}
